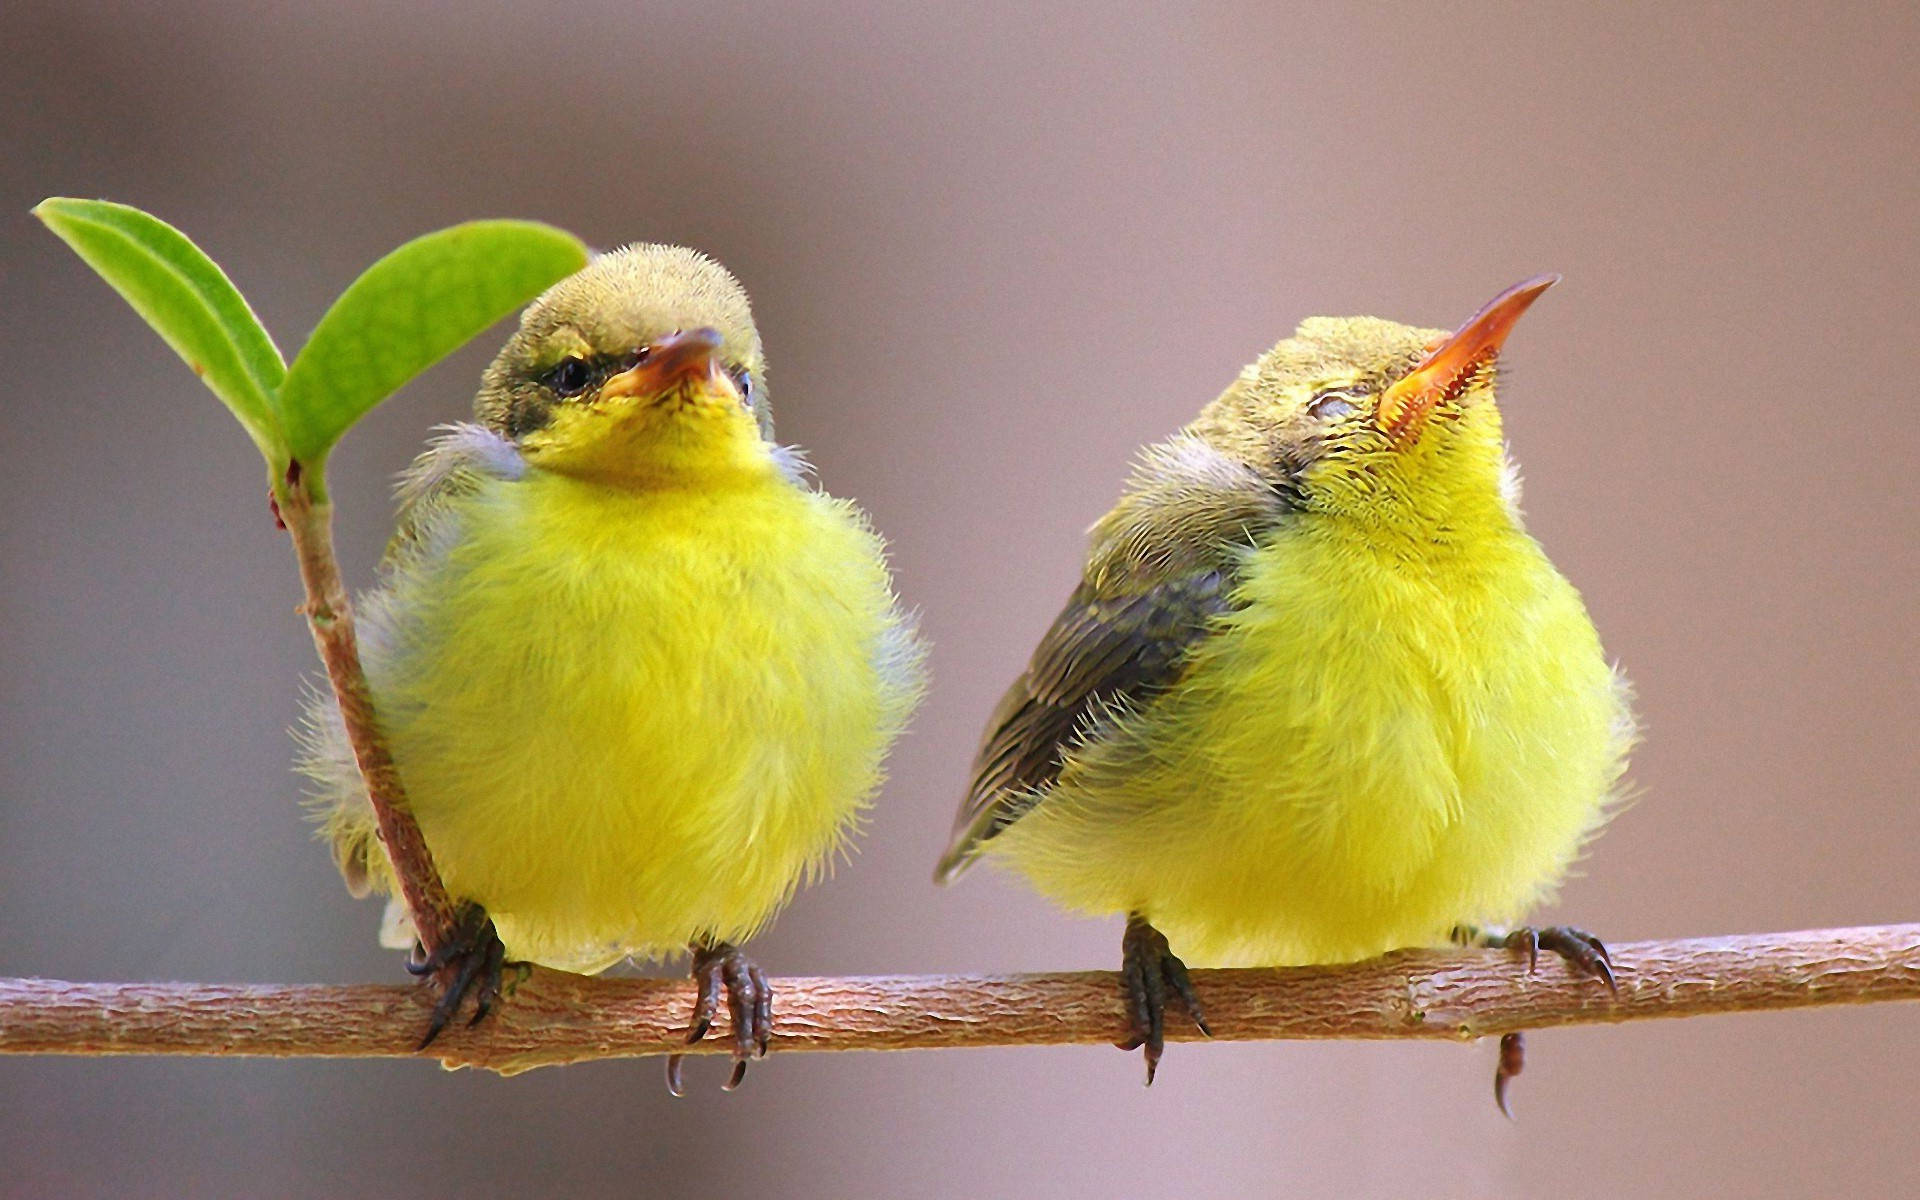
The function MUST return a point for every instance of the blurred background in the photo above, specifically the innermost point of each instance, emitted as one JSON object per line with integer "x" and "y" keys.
{"x": 993, "y": 252}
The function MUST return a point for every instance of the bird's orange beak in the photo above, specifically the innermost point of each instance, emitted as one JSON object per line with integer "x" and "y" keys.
{"x": 690, "y": 356}
{"x": 1452, "y": 364}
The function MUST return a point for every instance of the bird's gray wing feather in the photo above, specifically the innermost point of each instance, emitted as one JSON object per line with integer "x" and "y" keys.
{"x": 453, "y": 464}
{"x": 1162, "y": 567}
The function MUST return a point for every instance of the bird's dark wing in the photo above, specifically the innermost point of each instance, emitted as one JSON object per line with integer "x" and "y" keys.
{"x": 1164, "y": 565}
{"x": 1103, "y": 654}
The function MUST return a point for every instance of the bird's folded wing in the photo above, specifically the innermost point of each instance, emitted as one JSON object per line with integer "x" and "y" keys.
{"x": 1163, "y": 566}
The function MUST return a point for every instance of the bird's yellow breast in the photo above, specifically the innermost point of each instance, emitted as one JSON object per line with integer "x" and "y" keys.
{"x": 627, "y": 718}
{"x": 1383, "y": 740}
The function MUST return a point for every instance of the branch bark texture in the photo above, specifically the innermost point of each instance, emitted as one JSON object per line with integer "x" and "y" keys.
{"x": 553, "y": 1018}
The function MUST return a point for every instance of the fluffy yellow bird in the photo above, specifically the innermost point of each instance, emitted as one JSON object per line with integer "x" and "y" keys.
{"x": 1318, "y": 695}
{"x": 638, "y": 677}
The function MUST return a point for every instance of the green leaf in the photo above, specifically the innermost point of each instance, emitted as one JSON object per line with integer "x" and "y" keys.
{"x": 410, "y": 310}
{"x": 187, "y": 299}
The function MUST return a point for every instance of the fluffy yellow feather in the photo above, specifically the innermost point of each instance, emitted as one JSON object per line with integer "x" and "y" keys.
{"x": 638, "y": 678}
{"x": 1319, "y": 695}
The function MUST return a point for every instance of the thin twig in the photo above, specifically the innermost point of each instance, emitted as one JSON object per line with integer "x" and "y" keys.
{"x": 330, "y": 615}
{"x": 552, "y": 1018}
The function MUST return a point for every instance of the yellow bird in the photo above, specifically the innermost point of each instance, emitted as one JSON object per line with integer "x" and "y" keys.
{"x": 1318, "y": 694}
{"x": 638, "y": 677}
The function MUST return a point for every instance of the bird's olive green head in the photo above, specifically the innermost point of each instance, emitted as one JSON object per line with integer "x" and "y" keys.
{"x": 1379, "y": 421}
{"x": 646, "y": 362}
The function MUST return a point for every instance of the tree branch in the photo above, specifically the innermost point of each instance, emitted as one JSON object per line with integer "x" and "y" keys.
{"x": 330, "y": 615}
{"x": 553, "y": 1018}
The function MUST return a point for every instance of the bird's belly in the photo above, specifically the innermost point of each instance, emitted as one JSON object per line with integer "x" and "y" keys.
{"x": 624, "y": 728}
{"x": 1342, "y": 774}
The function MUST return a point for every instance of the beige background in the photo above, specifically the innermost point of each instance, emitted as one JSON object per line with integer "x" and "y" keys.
{"x": 993, "y": 253}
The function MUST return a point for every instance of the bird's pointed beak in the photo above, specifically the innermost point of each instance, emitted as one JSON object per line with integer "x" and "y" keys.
{"x": 1451, "y": 365}
{"x": 691, "y": 356}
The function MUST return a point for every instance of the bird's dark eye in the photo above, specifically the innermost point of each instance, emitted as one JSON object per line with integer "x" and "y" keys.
{"x": 569, "y": 377}
{"x": 1333, "y": 403}
{"x": 743, "y": 379}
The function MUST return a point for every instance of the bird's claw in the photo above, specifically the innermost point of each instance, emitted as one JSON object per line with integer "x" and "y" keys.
{"x": 1513, "y": 1060}
{"x": 1582, "y": 951}
{"x": 1149, "y": 972}
{"x": 471, "y": 962}
{"x": 719, "y": 967}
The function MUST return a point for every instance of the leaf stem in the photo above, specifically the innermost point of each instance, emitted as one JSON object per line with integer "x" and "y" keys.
{"x": 329, "y": 612}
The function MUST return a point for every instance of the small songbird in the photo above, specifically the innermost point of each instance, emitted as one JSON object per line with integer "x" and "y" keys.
{"x": 638, "y": 677}
{"x": 1318, "y": 694}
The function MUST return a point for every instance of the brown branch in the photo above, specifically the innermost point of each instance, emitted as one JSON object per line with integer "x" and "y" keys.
{"x": 552, "y": 1018}
{"x": 309, "y": 523}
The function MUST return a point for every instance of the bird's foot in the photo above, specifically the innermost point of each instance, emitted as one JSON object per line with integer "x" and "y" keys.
{"x": 1585, "y": 953}
{"x": 1582, "y": 951}
{"x": 719, "y": 966}
{"x": 470, "y": 963}
{"x": 1149, "y": 971}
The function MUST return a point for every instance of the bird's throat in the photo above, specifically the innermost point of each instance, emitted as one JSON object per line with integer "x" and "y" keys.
{"x": 667, "y": 443}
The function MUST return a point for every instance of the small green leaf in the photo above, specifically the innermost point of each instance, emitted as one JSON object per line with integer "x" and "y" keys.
{"x": 187, "y": 299}
{"x": 410, "y": 310}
